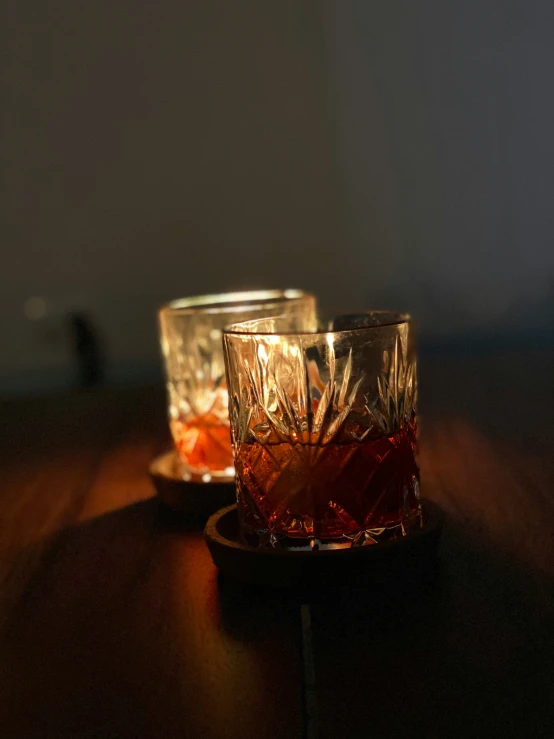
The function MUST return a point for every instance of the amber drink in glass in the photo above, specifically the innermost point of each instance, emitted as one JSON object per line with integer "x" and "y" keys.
{"x": 324, "y": 430}
{"x": 190, "y": 336}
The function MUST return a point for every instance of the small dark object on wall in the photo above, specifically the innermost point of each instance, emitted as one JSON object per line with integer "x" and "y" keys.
{"x": 86, "y": 344}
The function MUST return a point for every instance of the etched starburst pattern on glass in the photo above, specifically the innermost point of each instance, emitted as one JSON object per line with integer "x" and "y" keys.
{"x": 324, "y": 430}
{"x": 190, "y": 336}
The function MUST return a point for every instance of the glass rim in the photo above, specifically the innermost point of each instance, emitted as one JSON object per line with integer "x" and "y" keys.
{"x": 397, "y": 318}
{"x": 232, "y": 302}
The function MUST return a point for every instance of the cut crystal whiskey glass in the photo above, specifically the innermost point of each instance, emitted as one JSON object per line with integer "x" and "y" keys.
{"x": 323, "y": 424}
{"x": 190, "y": 336}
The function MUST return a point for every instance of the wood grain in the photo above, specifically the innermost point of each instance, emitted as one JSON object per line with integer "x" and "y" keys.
{"x": 474, "y": 656}
{"x": 114, "y": 622}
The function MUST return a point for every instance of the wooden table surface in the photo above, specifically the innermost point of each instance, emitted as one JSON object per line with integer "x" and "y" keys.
{"x": 114, "y": 623}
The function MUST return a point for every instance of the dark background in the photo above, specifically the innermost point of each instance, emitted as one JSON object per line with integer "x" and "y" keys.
{"x": 392, "y": 154}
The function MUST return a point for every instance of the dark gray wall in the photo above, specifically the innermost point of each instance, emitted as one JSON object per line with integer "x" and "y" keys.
{"x": 445, "y": 120}
{"x": 392, "y": 153}
{"x": 152, "y": 150}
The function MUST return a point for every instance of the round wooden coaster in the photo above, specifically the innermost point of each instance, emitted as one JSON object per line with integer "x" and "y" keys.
{"x": 194, "y": 496}
{"x": 397, "y": 561}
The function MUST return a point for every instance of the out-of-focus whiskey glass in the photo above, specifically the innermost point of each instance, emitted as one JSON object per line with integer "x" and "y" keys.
{"x": 191, "y": 342}
{"x": 324, "y": 430}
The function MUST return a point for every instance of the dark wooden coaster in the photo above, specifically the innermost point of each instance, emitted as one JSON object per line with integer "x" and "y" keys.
{"x": 192, "y": 497}
{"x": 398, "y": 561}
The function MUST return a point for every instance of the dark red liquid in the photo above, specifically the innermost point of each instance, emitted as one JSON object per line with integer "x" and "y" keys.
{"x": 329, "y": 491}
